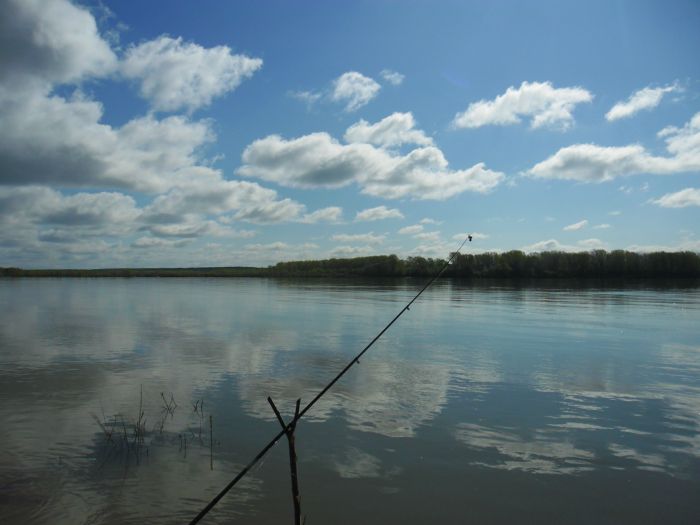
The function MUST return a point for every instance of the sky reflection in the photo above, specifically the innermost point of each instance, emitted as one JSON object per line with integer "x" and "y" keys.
{"x": 563, "y": 382}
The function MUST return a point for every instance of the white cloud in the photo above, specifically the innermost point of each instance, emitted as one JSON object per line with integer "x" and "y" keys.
{"x": 680, "y": 199}
{"x": 411, "y": 230}
{"x": 50, "y": 139}
{"x": 428, "y": 236}
{"x": 178, "y": 75}
{"x": 647, "y": 98}
{"x": 194, "y": 226}
{"x": 354, "y": 90}
{"x": 592, "y": 244}
{"x": 156, "y": 242}
{"x": 615, "y": 213}
{"x": 250, "y": 202}
{"x": 427, "y": 220}
{"x": 392, "y": 77}
{"x": 309, "y": 97}
{"x": 53, "y": 135}
{"x": 475, "y": 236}
{"x": 273, "y": 246}
{"x": 270, "y": 212}
{"x": 367, "y": 238}
{"x": 592, "y": 163}
{"x": 548, "y": 106}
{"x": 395, "y": 130}
{"x": 603, "y": 226}
{"x": 36, "y": 220}
{"x": 684, "y": 246}
{"x": 576, "y": 226}
{"x": 319, "y": 161}
{"x": 378, "y": 213}
{"x": 351, "y": 251}
{"x": 330, "y": 214}
{"x": 49, "y": 41}
{"x": 552, "y": 245}
{"x": 44, "y": 206}
{"x": 433, "y": 248}
{"x": 32, "y": 215}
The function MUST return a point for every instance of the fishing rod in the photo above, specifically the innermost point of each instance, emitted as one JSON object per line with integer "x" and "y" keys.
{"x": 354, "y": 361}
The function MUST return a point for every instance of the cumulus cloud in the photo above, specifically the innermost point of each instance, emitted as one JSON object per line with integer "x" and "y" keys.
{"x": 318, "y": 160}
{"x": 428, "y": 236}
{"x": 683, "y": 246}
{"x": 155, "y": 242}
{"x": 680, "y": 199}
{"x": 603, "y": 226}
{"x": 377, "y": 214}
{"x": 576, "y": 226}
{"x": 592, "y": 244}
{"x": 53, "y": 136}
{"x": 647, "y": 98}
{"x": 194, "y": 226}
{"x": 32, "y": 215}
{"x": 475, "y": 235}
{"x": 392, "y": 77}
{"x": 248, "y": 200}
{"x": 411, "y": 230}
{"x": 308, "y": 97}
{"x": 546, "y": 105}
{"x": 48, "y": 41}
{"x": 552, "y": 245}
{"x": 54, "y": 140}
{"x": 367, "y": 238}
{"x": 45, "y": 206}
{"x": 395, "y": 130}
{"x": 178, "y": 75}
{"x": 330, "y": 214}
{"x": 592, "y": 163}
{"x": 351, "y": 251}
{"x": 354, "y": 90}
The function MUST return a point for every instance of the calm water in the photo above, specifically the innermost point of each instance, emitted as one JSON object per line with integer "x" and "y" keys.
{"x": 483, "y": 404}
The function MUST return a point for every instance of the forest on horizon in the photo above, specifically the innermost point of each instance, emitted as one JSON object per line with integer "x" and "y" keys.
{"x": 511, "y": 264}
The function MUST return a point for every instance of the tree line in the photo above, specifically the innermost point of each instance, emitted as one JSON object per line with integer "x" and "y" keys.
{"x": 512, "y": 264}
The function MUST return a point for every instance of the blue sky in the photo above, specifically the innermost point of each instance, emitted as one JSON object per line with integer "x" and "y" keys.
{"x": 245, "y": 133}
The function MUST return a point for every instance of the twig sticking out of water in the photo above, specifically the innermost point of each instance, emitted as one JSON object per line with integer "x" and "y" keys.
{"x": 139, "y": 428}
{"x": 289, "y": 430}
{"x": 103, "y": 425}
{"x": 169, "y": 406}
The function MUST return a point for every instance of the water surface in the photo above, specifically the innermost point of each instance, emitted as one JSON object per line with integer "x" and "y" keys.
{"x": 486, "y": 403}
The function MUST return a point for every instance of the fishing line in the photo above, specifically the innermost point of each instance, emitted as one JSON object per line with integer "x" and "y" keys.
{"x": 355, "y": 360}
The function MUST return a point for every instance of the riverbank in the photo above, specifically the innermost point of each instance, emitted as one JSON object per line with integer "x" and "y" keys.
{"x": 512, "y": 264}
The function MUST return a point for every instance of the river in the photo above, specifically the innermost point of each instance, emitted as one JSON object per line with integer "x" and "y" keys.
{"x": 488, "y": 402}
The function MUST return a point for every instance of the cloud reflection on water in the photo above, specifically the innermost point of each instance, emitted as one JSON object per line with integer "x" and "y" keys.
{"x": 524, "y": 381}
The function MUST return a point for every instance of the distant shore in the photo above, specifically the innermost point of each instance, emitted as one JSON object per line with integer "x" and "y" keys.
{"x": 512, "y": 264}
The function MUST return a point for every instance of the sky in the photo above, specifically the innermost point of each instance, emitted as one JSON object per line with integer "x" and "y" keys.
{"x": 173, "y": 133}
